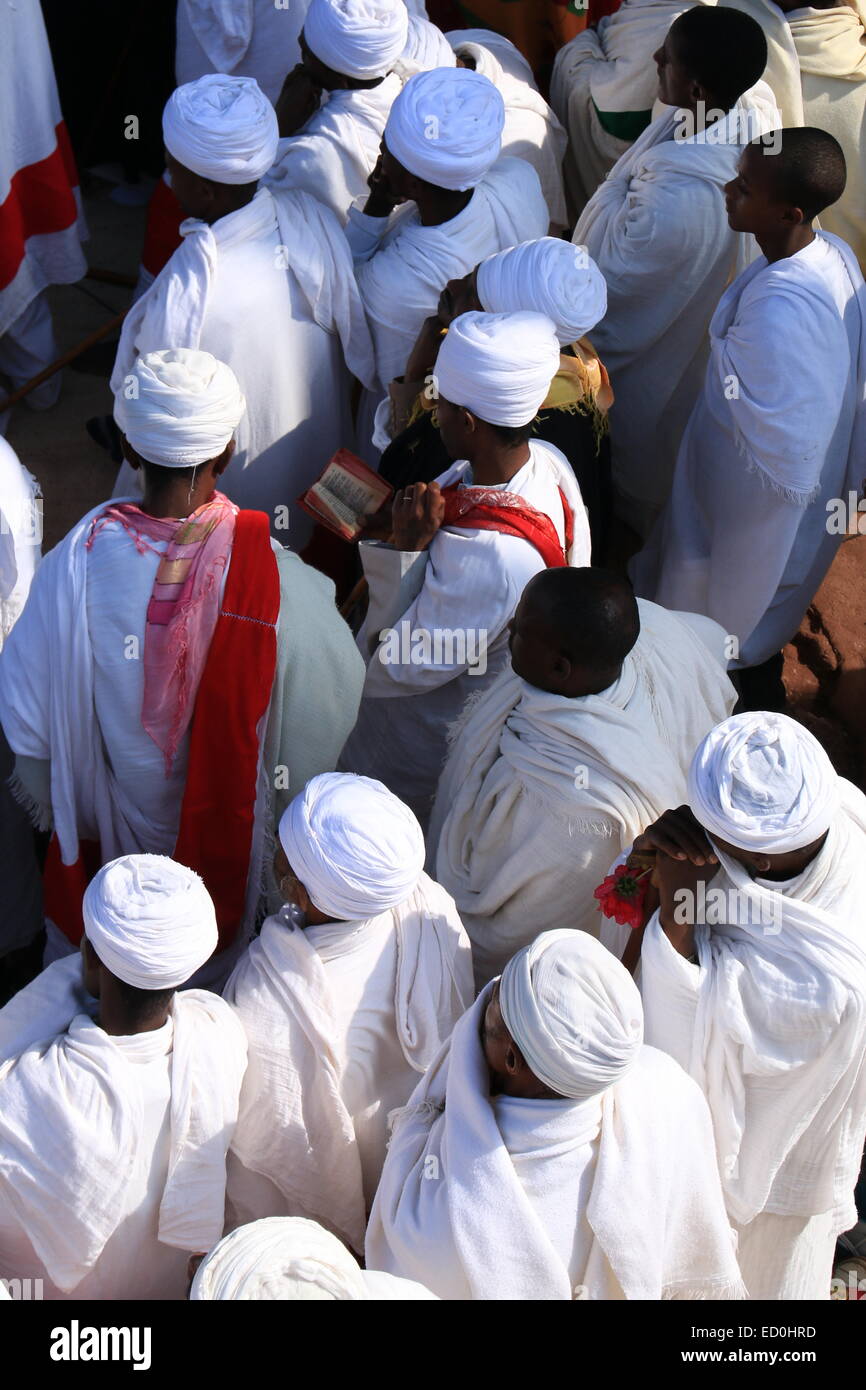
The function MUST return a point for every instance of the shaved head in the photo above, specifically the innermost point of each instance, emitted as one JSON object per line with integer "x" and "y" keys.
{"x": 807, "y": 169}
{"x": 573, "y": 629}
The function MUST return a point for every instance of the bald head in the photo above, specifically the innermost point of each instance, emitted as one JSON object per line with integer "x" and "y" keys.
{"x": 573, "y": 629}
{"x": 806, "y": 169}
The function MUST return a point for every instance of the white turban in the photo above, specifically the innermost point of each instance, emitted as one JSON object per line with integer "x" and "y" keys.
{"x": 279, "y": 1257}
{"x": 550, "y": 276}
{"x": 499, "y": 366}
{"x": 179, "y": 407}
{"x": 353, "y": 845}
{"x": 574, "y": 1011}
{"x": 762, "y": 782}
{"x": 150, "y": 920}
{"x": 360, "y": 38}
{"x": 426, "y": 47}
{"x": 446, "y": 127}
{"x": 223, "y": 128}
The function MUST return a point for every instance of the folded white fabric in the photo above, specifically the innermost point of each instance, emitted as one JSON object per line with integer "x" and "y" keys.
{"x": 426, "y": 47}
{"x": 360, "y": 38}
{"x": 356, "y": 848}
{"x": 762, "y": 782}
{"x": 499, "y": 366}
{"x": 551, "y": 276}
{"x": 446, "y": 127}
{"x": 223, "y": 128}
{"x": 279, "y": 1257}
{"x": 150, "y": 920}
{"x": 574, "y": 1012}
{"x": 179, "y": 407}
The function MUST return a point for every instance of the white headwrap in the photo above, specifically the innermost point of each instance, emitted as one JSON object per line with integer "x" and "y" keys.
{"x": 279, "y": 1257}
{"x": 223, "y": 128}
{"x": 446, "y": 127}
{"x": 150, "y": 920}
{"x": 499, "y": 366}
{"x": 360, "y": 38}
{"x": 353, "y": 845}
{"x": 550, "y": 276}
{"x": 574, "y": 1011}
{"x": 426, "y": 47}
{"x": 762, "y": 782}
{"x": 179, "y": 407}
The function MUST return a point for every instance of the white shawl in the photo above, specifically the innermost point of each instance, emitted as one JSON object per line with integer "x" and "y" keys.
{"x": 451, "y": 1204}
{"x": 293, "y": 1126}
{"x": 782, "y": 73}
{"x": 70, "y": 1122}
{"x": 540, "y": 793}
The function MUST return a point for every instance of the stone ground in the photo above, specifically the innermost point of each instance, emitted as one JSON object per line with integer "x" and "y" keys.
{"x": 825, "y": 665}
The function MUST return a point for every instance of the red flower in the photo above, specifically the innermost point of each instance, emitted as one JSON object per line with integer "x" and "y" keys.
{"x": 622, "y": 895}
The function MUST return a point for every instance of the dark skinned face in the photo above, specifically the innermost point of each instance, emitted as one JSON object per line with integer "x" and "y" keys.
{"x": 454, "y": 428}
{"x": 459, "y": 297}
{"x": 676, "y": 85}
{"x": 320, "y": 74}
{"x": 751, "y": 200}
{"x": 190, "y": 189}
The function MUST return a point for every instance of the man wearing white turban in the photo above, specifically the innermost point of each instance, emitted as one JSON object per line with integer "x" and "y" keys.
{"x": 461, "y": 202}
{"x": 569, "y": 755}
{"x": 151, "y": 630}
{"x": 753, "y": 974}
{"x": 255, "y": 268}
{"x": 658, "y": 231}
{"x": 549, "y": 1154}
{"x": 346, "y": 997}
{"x": 290, "y": 1259}
{"x": 119, "y": 1096}
{"x": 348, "y": 50}
{"x": 463, "y": 547}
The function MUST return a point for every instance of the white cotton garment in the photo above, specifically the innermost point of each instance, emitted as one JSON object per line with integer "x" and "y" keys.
{"x": 72, "y": 1181}
{"x": 659, "y": 218}
{"x": 332, "y": 157}
{"x": 616, "y": 1197}
{"x": 20, "y": 536}
{"x": 341, "y": 1019}
{"x": 499, "y": 366}
{"x": 276, "y": 270}
{"x": 360, "y": 38}
{"x": 446, "y": 127}
{"x": 746, "y": 536}
{"x": 781, "y": 73}
{"x": 223, "y": 128}
{"x": 540, "y": 793}
{"x": 247, "y": 38}
{"x": 412, "y": 695}
{"x": 605, "y": 81}
{"x": 553, "y": 276}
{"x": 179, "y": 407}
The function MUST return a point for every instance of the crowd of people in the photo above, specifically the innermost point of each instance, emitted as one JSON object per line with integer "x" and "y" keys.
{"x": 458, "y": 912}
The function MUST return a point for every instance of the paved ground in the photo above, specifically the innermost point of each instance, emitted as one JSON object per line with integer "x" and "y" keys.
{"x": 825, "y": 667}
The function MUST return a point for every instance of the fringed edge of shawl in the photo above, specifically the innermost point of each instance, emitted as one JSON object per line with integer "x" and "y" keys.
{"x": 715, "y": 1291}
{"x": 38, "y": 812}
{"x": 789, "y": 494}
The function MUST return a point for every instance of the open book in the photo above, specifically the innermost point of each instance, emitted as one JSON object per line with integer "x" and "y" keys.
{"x": 345, "y": 494}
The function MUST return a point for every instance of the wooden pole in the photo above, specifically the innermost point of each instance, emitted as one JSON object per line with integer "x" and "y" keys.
{"x": 63, "y": 361}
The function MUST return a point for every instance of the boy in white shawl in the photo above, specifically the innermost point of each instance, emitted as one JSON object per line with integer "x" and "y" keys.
{"x": 772, "y": 452}
{"x": 333, "y": 106}
{"x": 118, "y": 1096}
{"x": 254, "y": 269}
{"x": 754, "y": 979}
{"x": 549, "y": 1154}
{"x": 569, "y": 755}
{"x": 346, "y": 998}
{"x": 657, "y": 230}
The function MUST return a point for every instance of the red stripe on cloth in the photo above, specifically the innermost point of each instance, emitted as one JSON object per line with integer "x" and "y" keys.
{"x": 524, "y": 521}
{"x": 63, "y": 886}
{"x": 216, "y": 824}
{"x": 40, "y": 200}
{"x": 162, "y": 233}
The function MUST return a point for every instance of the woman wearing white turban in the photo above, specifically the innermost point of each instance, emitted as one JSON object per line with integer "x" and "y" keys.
{"x": 549, "y": 1154}
{"x": 754, "y": 978}
{"x": 346, "y": 997}
{"x": 118, "y": 1096}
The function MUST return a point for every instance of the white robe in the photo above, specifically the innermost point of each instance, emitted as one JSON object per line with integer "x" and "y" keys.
{"x": 20, "y": 536}
{"x": 604, "y": 83}
{"x": 771, "y": 1023}
{"x": 112, "y": 1149}
{"x": 468, "y": 583}
{"x": 253, "y": 38}
{"x": 747, "y": 537}
{"x": 402, "y": 267}
{"x": 341, "y": 1019}
{"x": 540, "y": 793}
{"x": 336, "y": 151}
{"x": 658, "y": 231}
{"x": 780, "y": 74}
{"x": 270, "y": 291}
{"x": 616, "y": 1197}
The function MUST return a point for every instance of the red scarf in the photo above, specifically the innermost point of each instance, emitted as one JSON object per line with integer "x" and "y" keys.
{"x": 493, "y": 509}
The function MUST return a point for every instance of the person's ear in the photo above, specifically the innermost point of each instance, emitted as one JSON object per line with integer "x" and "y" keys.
{"x": 221, "y": 464}
{"x": 795, "y": 216}
{"x": 761, "y": 864}
{"x": 467, "y": 420}
{"x": 129, "y": 453}
{"x": 561, "y": 667}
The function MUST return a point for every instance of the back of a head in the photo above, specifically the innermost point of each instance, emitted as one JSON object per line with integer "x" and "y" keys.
{"x": 592, "y": 614}
{"x": 446, "y": 126}
{"x": 281, "y": 1258}
{"x": 222, "y": 128}
{"x": 179, "y": 407}
{"x": 806, "y": 166}
{"x": 722, "y": 49}
{"x": 361, "y": 39}
{"x": 498, "y": 366}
